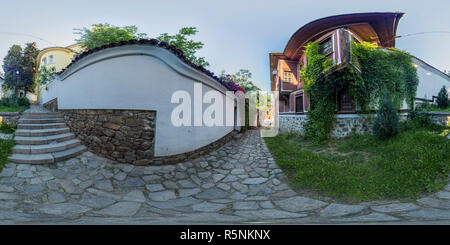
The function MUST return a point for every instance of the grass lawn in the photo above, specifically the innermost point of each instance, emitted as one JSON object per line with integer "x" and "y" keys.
{"x": 363, "y": 168}
{"x": 6, "y": 145}
{"x": 439, "y": 109}
{"x": 5, "y": 150}
{"x": 13, "y": 109}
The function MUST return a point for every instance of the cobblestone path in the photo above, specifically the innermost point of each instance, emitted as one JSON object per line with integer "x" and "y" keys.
{"x": 238, "y": 183}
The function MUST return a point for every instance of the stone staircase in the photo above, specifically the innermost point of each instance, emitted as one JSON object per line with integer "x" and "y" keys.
{"x": 43, "y": 137}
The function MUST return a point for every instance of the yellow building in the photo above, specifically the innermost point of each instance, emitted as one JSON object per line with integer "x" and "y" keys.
{"x": 58, "y": 57}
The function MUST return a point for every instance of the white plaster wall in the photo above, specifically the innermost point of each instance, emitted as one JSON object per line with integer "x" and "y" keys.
{"x": 139, "y": 77}
{"x": 51, "y": 92}
{"x": 430, "y": 81}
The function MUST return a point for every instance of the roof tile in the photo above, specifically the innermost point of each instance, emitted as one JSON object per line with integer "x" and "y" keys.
{"x": 153, "y": 42}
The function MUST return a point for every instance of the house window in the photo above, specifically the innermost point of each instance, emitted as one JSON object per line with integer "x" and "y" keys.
{"x": 299, "y": 104}
{"x": 44, "y": 61}
{"x": 285, "y": 100}
{"x": 345, "y": 102}
{"x": 287, "y": 76}
{"x": 51, "y": 59}
{"x": 326, "y": 46}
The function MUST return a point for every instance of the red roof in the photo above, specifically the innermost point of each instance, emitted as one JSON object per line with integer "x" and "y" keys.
{"x": 374, "y": 27}
{"x": 384, "y": 25}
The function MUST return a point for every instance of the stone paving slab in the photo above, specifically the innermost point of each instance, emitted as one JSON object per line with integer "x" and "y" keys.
{"x": 238, "y": 183}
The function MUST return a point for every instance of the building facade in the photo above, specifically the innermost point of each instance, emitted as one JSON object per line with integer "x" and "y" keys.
{"x": 334, "y": 34}
{"x": 58, "y": 57}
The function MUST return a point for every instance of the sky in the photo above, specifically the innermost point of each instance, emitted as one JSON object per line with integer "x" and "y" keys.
{"x": 237, "y": 34}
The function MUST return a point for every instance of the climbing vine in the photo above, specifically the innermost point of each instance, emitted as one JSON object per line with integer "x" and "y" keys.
{"x": 371, "y": 74}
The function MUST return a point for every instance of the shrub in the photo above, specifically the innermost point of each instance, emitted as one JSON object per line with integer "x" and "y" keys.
{"x": 7, "y": 128}
{"x": 386, "y": 123}
{"x": 15, "y": 102}
{"x": 442, "y": 99}
{"x": 419, "y": 117}
{"x": 9, "y": 101}
{"x": 23, "y": 101}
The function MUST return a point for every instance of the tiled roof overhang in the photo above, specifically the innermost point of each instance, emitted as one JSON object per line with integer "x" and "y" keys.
{"x": 384, "y": 25}
{"x": 153, "y": 42}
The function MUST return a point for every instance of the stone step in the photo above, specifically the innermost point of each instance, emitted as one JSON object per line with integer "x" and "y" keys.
{"x": 47, "y": 148}
{"x": 31, "y": 158}
{"x": 40, "y": 120}
{"x": 42, "y": 140}
{"x": 26, "y": 115}
{"x": 41, "y": 132}
{"x": 41, "y": 126}
{"x": 47, "y": 157}
{"x": 69, "y": 153}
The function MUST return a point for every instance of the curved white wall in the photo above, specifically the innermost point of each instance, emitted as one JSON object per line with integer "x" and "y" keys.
{"x": 139, "y": 77}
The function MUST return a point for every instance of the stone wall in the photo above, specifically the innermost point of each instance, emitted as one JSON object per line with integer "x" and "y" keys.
{"x": 51, "y": 105}
{"x": 10, "y": 117}
{"x": 292, "y": 123}
{"x": 345, "y": 123}
{"x": 441, "y": 118}
{"x": 126, "y": 136}
{"x": 361, "y": 124}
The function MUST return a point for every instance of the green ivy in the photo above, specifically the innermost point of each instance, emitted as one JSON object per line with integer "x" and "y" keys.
{"x": 385, "y": 72}
{"x": 371, "y": 74}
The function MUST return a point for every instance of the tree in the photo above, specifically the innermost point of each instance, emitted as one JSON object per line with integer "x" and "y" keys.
{"x": 12, "y": 66}
{"x": 188, "y": 46}
{"x": 103, "y": 34}
{"x": 29, "y": 73}
{"x": 243, "y": 78}
{"x": 386, "y": 123}
{"x": 442, "y": 98}
{"x": 46, "y": 75}
{"x": 20, "y": 67}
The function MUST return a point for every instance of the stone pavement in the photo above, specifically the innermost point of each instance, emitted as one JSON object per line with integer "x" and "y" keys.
{"x": 238, "y": 183}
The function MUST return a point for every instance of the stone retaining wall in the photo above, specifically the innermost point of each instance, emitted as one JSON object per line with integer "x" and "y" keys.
{"x": 10, "y": 117}
{"x": 126, "y": 136}
{"x": 345, "y": 123}
{"x": 292, "y": 123}
{"x": 441, "y": 118}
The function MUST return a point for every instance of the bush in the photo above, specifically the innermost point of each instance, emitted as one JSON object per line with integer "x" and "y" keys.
{"x": 419, "y": 117}
{"x": 7, "y": 128}
{"x": 442, "y": 99}
{"x": 23, "y": 101}
{"x": 9, "y": 101}
{"x": 15, "y": 102}
{"x": 386, "y": 123}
